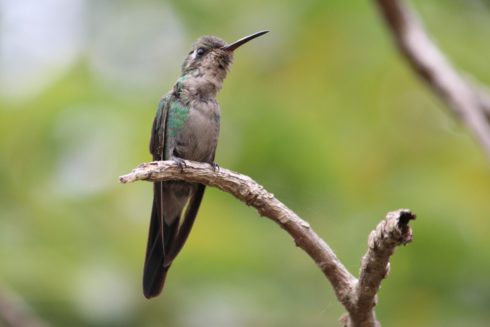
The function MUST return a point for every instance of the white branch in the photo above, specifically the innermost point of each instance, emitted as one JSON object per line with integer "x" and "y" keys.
{"x": 356, "y": 296}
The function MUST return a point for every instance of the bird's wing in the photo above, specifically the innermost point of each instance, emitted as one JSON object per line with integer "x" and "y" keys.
{"x": 159, "y": 233}
{"x": 157, "y": 138}
{"x": 166, "y": 238}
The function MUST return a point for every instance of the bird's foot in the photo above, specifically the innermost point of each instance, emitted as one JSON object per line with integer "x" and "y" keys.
{"x": 180, "y": 163}
{"x": 215, "y": 166}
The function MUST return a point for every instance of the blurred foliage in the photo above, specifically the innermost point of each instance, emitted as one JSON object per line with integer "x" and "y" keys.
{"x": 322, "y": 111}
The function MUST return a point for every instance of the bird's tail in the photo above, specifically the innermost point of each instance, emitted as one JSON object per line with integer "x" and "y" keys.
{"x": 155, "y": 271}
{"x": 166, "y": 240}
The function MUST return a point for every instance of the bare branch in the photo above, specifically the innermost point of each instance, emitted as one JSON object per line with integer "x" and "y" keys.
{"x": 467, "y": 99}
{"x": 356, "y": 297}
{"x": 15, "y": 312}
{"x": 390, "y": 233}
{"x": 247, "y": 190}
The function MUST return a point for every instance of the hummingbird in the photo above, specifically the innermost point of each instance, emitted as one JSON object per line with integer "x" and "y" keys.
{"x": 186, "y": 126}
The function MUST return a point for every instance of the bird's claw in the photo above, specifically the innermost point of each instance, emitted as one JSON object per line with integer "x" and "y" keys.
{"x": 215, "y": 166}
{"x": 180, "y": 163}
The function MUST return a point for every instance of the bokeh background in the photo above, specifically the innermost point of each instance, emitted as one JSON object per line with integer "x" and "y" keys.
{"x": 322, "y": 111}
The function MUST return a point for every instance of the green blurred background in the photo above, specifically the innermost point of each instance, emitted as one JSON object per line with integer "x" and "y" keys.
{"x": 322, "y": 111}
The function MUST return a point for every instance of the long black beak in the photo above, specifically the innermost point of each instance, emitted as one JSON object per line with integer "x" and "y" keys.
{"x": 242, "y": 41}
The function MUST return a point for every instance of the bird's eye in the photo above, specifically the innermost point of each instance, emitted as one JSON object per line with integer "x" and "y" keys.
{"x": 200, "y": 52}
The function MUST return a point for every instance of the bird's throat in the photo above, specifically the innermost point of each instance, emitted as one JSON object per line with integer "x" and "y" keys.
{"x": 200, "y": 83}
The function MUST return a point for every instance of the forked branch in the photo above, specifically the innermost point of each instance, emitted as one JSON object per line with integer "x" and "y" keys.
{"x": 357, "y": 296}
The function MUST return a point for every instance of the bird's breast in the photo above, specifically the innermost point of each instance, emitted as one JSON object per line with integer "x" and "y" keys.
{"x": 199, "y": 137}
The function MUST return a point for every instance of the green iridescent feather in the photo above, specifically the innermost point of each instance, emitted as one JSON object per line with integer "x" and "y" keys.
{"x": 177, "y": 116}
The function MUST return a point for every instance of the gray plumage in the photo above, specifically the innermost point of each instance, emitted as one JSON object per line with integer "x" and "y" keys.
{"x": 186, "y": 126}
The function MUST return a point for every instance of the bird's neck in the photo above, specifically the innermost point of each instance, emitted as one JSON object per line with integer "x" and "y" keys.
{"x": 201, "y": 82}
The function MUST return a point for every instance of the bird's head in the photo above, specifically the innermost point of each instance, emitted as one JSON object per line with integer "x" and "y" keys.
{"x": 211, "y": 57}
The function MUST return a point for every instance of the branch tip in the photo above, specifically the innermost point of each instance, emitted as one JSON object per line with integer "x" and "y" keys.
{"x": 404, "y": 218}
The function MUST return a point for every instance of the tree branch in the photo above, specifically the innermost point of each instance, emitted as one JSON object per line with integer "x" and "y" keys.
{"x": 356, "y": 296}
{"x": 375, "y": 265}
{"x": 466, "y": 98}
{"x": 15, "y": 312}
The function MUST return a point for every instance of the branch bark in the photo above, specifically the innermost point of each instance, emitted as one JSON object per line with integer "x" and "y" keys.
{"x": 357, "y": 296}
{"x": 15, "y": 312}
{"x": 468, "y": 100}
{"x": 375, "y": 265}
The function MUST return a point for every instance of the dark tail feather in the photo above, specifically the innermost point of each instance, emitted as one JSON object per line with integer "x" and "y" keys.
{"x": 186, "y": 226}
{"x": 154, "y": 271}
{"x": 161, "y": 251}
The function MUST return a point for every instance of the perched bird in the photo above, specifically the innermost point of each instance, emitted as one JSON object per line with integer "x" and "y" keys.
{"x": 186, "y": 126}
